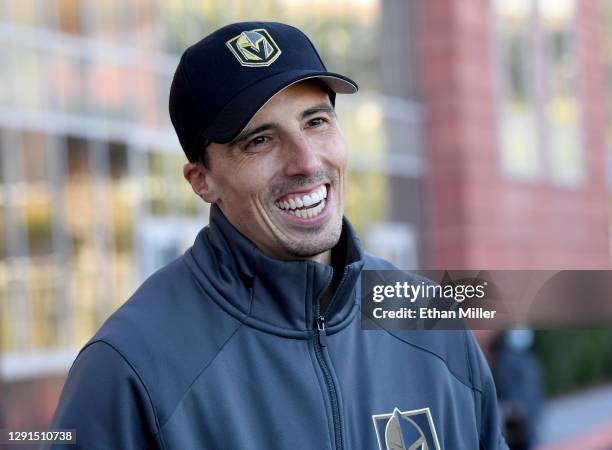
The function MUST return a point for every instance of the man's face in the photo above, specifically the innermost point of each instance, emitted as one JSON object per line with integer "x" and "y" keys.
{"x": 282, "y": 181}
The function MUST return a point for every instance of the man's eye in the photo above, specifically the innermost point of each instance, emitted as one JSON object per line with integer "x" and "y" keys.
{"x": 258, "y": 141}
{"x": 318, "y": 121}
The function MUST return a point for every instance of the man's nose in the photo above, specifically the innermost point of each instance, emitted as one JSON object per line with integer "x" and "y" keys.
{"x": 302, "y": 157}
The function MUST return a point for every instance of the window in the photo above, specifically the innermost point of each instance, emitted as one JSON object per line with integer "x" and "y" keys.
{"x": 562, "y": 114}
{"x": 4, "y": 303}
{"x": 5, "y": 73}
{"x": 2, "y": 208}
{"x": 122, "y": 203}
{"x": 28, "y": 72}
{"x": 68, "y": 14}
{"x": 37, "y": 205}
{"x": 518, "y": 128}
{"x": 65, "y": 83}
{"x": 78, "y": 196}
{"x": 24, "y": 12}
{"x": 539, "y": 111}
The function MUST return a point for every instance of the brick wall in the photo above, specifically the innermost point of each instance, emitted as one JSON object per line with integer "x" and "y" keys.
{"x": 477, "y": 217}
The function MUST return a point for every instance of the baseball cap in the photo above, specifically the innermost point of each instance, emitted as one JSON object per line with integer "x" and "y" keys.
{"x": 224, "y": 79}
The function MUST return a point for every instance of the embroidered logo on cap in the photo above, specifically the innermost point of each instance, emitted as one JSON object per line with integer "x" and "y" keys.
{"x": 254, "y": 48}
{"x": 406, "y": 430}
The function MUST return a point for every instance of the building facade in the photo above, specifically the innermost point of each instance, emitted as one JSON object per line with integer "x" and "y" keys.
{"x": 515, "y": 98}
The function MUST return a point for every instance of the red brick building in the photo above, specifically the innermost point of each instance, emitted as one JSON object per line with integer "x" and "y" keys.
{"x": 478, "y": 214}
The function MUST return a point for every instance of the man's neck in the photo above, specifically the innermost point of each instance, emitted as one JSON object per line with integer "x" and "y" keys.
{"x": 322, "y": 258}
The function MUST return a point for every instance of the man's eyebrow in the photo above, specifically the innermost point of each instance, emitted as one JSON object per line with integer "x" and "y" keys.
{"x": 247, "y": 133}
{"x": 320, "y": 108}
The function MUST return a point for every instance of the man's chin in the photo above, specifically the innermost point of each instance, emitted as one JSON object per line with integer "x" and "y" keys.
{"x": 311, "y": 249}
{"x": 314, "y": 241}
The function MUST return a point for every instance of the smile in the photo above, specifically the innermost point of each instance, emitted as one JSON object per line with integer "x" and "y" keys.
{"x": 304, "y": 206}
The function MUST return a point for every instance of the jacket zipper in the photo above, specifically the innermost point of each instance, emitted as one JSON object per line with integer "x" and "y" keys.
{"x": 321, "y": 342}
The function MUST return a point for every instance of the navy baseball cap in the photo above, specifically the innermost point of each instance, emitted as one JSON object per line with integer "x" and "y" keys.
{"x": 224, "y": 79}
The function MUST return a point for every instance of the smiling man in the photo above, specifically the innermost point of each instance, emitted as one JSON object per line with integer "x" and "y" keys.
{"x": 252, "y": 338}
{"x": 281, "y": 181}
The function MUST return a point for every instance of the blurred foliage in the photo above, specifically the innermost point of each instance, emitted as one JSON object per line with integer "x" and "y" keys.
{"x": 367, "y": 200}
{"x": 38, "y": 223}
{"x": 122, "y": 231}
{"x": 574, "y": 358}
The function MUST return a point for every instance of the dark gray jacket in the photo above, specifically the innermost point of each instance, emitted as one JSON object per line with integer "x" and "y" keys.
{"x": 225, "y": 348}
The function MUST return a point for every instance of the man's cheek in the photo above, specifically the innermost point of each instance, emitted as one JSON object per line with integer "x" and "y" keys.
{"x": 341, "y": 154}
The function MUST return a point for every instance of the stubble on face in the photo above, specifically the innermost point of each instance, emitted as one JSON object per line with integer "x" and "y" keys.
{"x": 319, "y": 238}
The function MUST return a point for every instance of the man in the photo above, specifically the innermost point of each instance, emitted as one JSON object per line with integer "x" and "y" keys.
{"x": 252, "y": 339}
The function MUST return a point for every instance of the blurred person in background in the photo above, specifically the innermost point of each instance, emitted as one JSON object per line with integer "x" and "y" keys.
{"x": 518, "y": 379}
{"x": 252, "y": 338}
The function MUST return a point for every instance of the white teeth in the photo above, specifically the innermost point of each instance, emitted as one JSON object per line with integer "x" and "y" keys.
{"x": 308, "y": 213}
{"x": 319, "y": 208}
{"x": 305, "y": 201}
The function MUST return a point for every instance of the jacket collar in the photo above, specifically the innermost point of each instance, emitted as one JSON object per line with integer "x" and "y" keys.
{"x": 277, "y": 296}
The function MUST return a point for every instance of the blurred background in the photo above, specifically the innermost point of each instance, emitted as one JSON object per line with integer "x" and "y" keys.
{"x": 481, "y": 138}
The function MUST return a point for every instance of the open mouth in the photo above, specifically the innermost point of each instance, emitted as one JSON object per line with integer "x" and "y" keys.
{"x": 304, "y": 206}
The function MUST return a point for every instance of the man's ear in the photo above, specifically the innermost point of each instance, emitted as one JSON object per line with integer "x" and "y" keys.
{"x": 200, "y": 179}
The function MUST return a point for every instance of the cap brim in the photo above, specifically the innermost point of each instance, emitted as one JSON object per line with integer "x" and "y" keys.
{"x": 232, "y": 119}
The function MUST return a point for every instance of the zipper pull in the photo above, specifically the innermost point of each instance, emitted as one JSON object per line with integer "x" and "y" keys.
{"x": 321, "y": 331}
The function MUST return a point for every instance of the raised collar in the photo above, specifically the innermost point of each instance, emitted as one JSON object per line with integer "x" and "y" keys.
{"x": 277, "y": 296}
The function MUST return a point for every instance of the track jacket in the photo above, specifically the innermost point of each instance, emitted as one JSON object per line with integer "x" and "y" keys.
{"x": 226, "y": 348}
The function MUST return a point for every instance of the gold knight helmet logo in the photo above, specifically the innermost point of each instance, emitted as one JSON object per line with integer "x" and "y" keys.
{"x": 254, "y": 48}
{"x": 406, "y": 430}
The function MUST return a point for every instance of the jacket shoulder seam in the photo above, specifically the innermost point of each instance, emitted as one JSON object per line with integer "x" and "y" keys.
{"x": 200, "y": 373}
{"x": 452, "y": 372}
{"x": 131, "y": 366}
